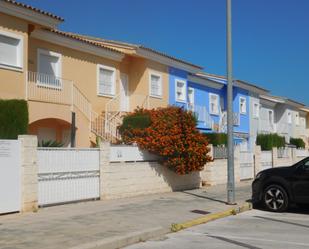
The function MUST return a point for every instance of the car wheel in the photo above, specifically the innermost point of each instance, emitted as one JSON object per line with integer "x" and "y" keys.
{"x": 275, "y": 198}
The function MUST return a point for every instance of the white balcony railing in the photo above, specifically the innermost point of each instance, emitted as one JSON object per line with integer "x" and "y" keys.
{"x": 50, "y": 89}
{"x": 202, "y": 115}
{"x": 265, "y": 126}
{"x": 236, "y": 118}
{"x": 284, "y": 128}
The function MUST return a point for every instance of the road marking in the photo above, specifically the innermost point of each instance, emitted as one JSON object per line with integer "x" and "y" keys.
{"x": 281, "y": 221}
{"x": 255, "y": 239}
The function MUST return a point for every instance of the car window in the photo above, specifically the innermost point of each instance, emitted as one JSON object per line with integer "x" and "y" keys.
{"x": 306, "y": 166}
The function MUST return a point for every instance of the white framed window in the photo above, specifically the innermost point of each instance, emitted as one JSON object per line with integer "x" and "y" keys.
{"x": 106, "y": 81}
{"x": 155, "y": 85}
{"x": 297, "y": 118}
{"x": 191, "y": 98}
{"x": 303, "y": 122}
{"x": 256, "y": 110}
{"x": 289, "y": 118}
{"x": 214, "y": 103}
{"x": 242, "y": 105}
{"x": 11, "y": 50}
{"x": 180, "y": 86}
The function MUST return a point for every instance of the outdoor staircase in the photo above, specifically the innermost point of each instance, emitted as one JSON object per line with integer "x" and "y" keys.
{"x": 52, "y": 89}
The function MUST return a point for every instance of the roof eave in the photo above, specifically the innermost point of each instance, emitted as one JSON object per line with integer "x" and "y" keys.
{"x": 29, "y": 15}
{"x": 146, "y": 53}
{"x": 272, "y": 99}
{"x": 205, "y": 82}
{"x": 62, "y": 40}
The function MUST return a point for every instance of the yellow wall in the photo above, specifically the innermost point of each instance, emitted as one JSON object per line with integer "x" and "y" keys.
{"x": 12, "y": 82}
{"x": 81, "y": 68}
{"x": 139, "y": 73}
{"x": 77, "y": 66}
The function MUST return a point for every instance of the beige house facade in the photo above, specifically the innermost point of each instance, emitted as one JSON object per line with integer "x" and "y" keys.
{"x": 67, "y": 78}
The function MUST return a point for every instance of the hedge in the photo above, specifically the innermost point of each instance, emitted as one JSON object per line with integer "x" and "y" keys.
{"x": 137, "y": 121}
{"x": 269, "y": 141}
{"x": 13, "y": 118}
{"x": 298, "y": 142}
{"x": 216, "y": 138}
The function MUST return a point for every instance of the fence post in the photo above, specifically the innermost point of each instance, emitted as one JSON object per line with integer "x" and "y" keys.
{"x": 237, "y": 163}
{"x": 275, "y": 157}
{"x": 211, "y": 151}
{"x": 104, "y": 163}
{"x": 293, "y": 156}
{"x": 29, "y": 173}
{"x": 257, "y": 159}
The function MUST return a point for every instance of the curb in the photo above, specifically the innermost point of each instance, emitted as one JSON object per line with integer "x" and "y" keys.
{"x": 126, "y": 240}
{"x": 211, "y": 217}
{"x": 136, "y": 237}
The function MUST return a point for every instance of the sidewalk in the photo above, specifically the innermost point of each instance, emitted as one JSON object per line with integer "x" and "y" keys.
{"x": 95, "y": 223}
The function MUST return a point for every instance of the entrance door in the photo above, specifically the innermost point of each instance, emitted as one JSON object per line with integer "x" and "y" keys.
{"x": 124, "y": 93}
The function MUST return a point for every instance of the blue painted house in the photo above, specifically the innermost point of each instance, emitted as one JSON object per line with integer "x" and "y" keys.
{"x": 206, "y": 95}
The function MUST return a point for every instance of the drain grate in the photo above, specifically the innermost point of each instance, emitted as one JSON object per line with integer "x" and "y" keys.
{"x": 200, "y": 212}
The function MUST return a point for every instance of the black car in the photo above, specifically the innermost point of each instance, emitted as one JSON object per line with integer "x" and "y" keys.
{"x": 276, "y": 188}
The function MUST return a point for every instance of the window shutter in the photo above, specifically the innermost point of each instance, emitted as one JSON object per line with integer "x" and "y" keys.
{"x": 155, "y": 85}
{"x": 9, "y": 50}
{"x": 214, "y": 103}
{"x": 106, "y": 81}
{"x": 48, "y": 65}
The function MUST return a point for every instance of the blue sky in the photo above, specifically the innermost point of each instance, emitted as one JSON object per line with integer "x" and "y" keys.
{"x": 270, "y": 37}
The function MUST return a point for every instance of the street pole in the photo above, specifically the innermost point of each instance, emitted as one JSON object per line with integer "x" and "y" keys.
{"x": 230, "y": 160}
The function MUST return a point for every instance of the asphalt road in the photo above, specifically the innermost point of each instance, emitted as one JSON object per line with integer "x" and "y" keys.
{"x": 253, "y": 229}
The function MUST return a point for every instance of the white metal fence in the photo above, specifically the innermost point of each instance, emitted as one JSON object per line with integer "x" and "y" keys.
{"x": 246, "y": 159}
{"x": 219, "y": 152}
{"x": 67, "y": 174}
{"x": 283, "y": 152}
{"x": 266, "y": 160}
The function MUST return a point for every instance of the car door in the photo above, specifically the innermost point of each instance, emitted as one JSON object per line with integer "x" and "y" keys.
{"x": 301, "y": 182}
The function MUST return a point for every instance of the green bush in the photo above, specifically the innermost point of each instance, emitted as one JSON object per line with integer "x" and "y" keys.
{"x": 50, "y": 143}
{"x": 269, "y": 141}
{"x": 216, "y": 138}
{"x": 137, "y": 120}
{"x": 13, "y": 118}
{"x": 298, "y": 142}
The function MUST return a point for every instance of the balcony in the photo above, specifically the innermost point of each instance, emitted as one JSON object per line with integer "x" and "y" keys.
{"x": 202, "y": 115}
{"x": 284, "y": 128}
{"x": 236, "y": 118}
{"x": 48, "y": 88}
{"x": 51, "y": 89}
{"x": 265, "y": 126}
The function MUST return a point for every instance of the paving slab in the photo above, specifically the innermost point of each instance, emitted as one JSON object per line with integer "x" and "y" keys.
{"x": 84, "y": 224}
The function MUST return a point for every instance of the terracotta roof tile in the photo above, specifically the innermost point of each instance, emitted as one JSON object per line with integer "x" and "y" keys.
{"x": 26, "y": 6}
{"x": 135, "y": 46}
{"x": 75, "y": 37}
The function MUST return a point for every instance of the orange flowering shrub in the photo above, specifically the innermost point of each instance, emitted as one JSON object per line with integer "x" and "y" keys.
{"x": 172, "y": 134}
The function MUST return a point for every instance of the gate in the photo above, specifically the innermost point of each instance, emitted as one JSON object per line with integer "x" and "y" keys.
{"x": 67, "y": 175}
{"x": 266, "y": 160}
{"x": 246, "y": 165}
{"x": 10, "y": 176}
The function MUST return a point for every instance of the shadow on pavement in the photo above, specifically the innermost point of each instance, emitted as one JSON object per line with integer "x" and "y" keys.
{"x": 204, "y": 197}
